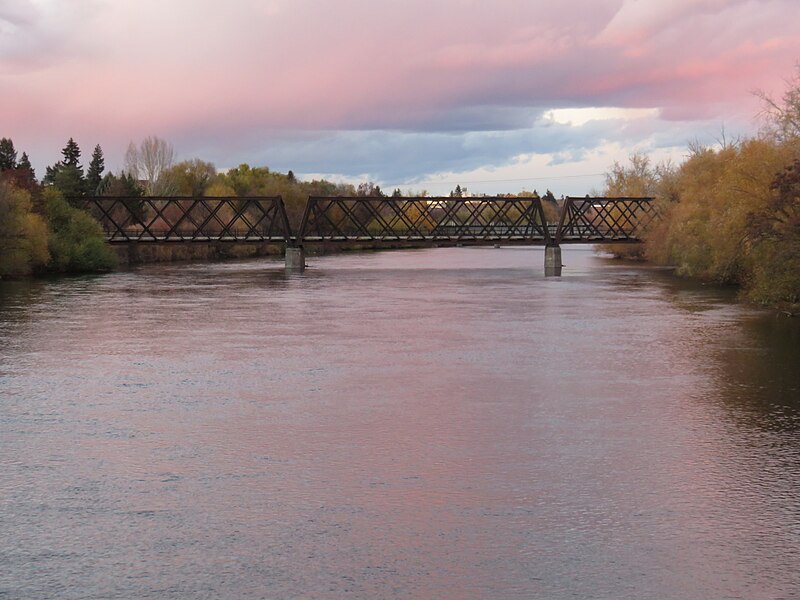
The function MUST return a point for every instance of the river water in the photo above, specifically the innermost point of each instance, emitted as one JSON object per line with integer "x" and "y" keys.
{"x": 442, "y": 423}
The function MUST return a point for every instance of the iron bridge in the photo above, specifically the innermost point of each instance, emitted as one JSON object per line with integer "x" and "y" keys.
{"x": 377, "y": 221}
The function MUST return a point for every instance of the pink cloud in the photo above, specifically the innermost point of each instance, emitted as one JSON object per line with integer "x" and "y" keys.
{"x": 121, "y": 71}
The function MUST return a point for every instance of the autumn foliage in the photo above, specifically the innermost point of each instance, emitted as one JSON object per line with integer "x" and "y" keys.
{"x": 729, "y": 214}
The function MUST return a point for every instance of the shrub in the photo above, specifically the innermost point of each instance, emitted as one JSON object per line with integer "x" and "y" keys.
{"x": 77, "y": 243}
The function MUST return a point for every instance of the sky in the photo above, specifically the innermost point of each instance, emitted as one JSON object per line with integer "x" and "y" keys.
{"x": 497, "y": 96}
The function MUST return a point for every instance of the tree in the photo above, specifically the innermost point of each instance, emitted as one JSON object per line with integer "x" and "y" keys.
{"x": 368, "y": 189}
{"x": 67, "y": 175}
{"x": 24, "y": 165}
{"x": 149, "y": 162}
{"x": 72, "y": 154}
{"x": 77, "y": 243}
{"x": 23, "y": 234}
{"x": 124, "y": 185}
{"x": 94, "y": 175}
{"x": 457, "y": 193}
{"x": 782, "y": 118}
{"x": 190, "y": 177}
{"x": 8, "y": 156}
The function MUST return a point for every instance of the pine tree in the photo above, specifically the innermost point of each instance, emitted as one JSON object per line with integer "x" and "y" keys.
{"x": 8, "y": 156}
{"x": 94, "y": 175}
{"x": 25, "y": 164}
{"x": 72, "y": 154}
{"x": 25, "y": 175}
{"x": 67, "y": 175}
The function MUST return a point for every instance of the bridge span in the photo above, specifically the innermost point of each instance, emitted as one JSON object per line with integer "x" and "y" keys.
{"x": 376, "y": 222}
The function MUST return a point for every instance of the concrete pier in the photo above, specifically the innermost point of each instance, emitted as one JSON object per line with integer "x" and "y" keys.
{"x": 295, "y": 258}
{"x": 552, "y": 261}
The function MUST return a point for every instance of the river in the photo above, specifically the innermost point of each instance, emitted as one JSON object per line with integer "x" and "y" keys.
{"x": 440, "y": 423}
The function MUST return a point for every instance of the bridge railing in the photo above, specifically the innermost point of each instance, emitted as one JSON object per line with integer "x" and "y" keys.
{"x": 182, "y": 219}
{"x": 402, "y": 219}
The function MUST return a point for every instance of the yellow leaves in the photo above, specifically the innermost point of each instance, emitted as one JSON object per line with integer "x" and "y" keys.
{"x": 23, "y": 234}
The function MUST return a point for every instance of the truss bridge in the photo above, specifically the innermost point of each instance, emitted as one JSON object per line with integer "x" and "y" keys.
{"x": 376, "y": 222}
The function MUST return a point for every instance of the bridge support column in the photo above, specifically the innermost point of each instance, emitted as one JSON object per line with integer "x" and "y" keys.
{"x": 552, "y": 261}
{"x": 295, "y": 258}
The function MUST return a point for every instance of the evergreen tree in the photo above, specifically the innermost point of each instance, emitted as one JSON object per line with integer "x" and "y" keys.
{"x": 397, "y": 193}
{"x": 23, "y": 175}
{"x": 94, "y": 175}
{"x": 25, "y": 165}
{"x": 72, "y": 154}
{"x": 67, "y": 175}
{"x": 8, "y": 156}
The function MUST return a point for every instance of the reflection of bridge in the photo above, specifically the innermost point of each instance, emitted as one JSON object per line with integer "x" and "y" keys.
{"x": 376, "y": 221}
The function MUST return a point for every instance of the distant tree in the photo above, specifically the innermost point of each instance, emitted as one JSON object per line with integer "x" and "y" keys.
{"x": 122, "y": 185}
{"x": 782, "y": 118}
{"x": 21, "y": 176}
{"x": 94, "y": 175}
{"x": 189, "y": 177}
{"x": 637, "y": 179}
{"x": 291, "y": 177}
{"x": 457, "y": 193}
{"x": 369, "y": 190}
{"x": 148, "y": 162}
{"x": 8, "y": 156}
{"x": 72, "y": 154}
{"x": 397, "y": 193}
{"x": 67, "y": 175}
{"x": 24, "y": 165}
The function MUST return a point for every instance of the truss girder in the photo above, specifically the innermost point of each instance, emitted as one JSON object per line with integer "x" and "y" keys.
{"x": 604, "y": 220}
{"x": 182, "y": 219}
{"x": 394, "y": 219}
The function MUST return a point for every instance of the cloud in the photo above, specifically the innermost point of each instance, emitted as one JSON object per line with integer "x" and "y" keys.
{"x": 395, "y": 90}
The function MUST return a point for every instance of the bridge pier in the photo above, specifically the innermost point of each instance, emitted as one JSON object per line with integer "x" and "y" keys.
{"x": 552, "y": 261}
{"x": 295, "y": 258}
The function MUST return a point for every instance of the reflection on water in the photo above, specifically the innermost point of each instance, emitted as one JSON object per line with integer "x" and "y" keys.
{"x": 426, "y": 424}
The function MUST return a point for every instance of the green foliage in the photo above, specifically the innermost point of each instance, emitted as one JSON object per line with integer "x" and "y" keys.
{"x": 191, "y": 177}
{"x": 23, "y": 234}
{"x": 77, "y": 244}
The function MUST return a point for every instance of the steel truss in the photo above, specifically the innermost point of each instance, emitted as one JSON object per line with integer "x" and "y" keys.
{"x": 604, "y": 220}
{"x": 202, "y": 219}
{"x": 396, "y": 219}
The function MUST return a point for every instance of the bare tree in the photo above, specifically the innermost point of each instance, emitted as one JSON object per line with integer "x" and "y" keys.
{"x": 150, "y": 163}
{"x": 782, "y": 118}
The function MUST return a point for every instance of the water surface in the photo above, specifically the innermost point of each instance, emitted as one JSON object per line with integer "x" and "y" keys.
{"x": 442, "y": 423}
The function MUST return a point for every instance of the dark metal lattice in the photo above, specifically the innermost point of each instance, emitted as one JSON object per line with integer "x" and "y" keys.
{"x": 395, "y": 219}
{"x": 203, "y": 219}
{"x": 617, "y": 220}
